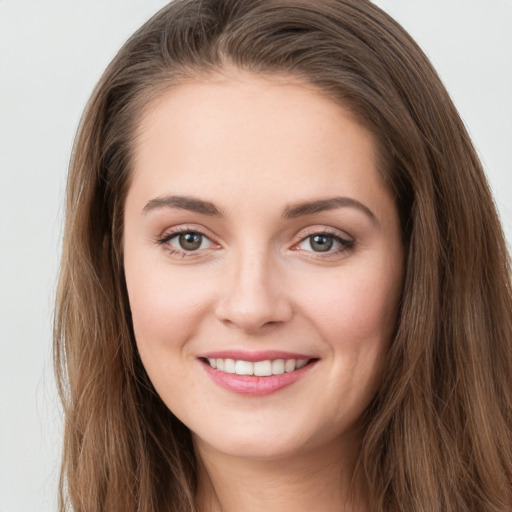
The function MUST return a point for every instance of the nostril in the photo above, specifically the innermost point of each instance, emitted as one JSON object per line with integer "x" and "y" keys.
{"x": 251, "y": 311}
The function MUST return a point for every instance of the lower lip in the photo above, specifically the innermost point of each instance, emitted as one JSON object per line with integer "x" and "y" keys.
{"x": 253, "y": 385}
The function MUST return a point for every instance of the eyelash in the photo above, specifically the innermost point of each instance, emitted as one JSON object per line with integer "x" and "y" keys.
{"x": 167, "y": 237}
{"x": 345, "y": 244}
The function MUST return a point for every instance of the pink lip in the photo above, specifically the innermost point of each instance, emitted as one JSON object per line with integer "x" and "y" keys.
{"x": 252, "y": 385}
{"x": 253, "y": 356}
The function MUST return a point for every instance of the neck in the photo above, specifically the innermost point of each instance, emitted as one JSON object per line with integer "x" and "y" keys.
{"x": 322, "y": 480}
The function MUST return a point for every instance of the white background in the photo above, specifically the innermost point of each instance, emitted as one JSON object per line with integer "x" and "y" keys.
{"x": 51, "y": 54}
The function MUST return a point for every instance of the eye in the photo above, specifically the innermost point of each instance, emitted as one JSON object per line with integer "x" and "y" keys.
{"x": 318, "y": 243}
{"x": 189, "y": 241}
{"x": 325, "y": 243}
{"x": 185, "y": 242}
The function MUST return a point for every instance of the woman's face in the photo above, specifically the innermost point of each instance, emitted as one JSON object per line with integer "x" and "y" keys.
{"x": 263, "y": 261}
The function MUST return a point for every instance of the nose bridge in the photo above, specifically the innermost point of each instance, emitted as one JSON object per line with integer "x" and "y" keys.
{"x": 254, "y": 276}
{"x": 253, "y": 296}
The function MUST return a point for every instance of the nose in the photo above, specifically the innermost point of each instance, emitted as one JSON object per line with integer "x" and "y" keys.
{"x": 254, "y": 296}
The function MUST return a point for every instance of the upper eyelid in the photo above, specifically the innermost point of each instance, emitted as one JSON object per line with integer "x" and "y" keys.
{"x": 188, "y": 228}
{"x": 323, "y": 230}
{"x": 342, "y": 241}
{"x": 164, "y": 240}
{"x": 302, "y": 234}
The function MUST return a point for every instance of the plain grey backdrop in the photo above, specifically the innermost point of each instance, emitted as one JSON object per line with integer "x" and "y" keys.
{"x": 51, "y": 55}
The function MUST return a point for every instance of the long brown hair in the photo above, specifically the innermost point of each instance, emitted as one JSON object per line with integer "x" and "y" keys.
{"x": 438, "y": 435}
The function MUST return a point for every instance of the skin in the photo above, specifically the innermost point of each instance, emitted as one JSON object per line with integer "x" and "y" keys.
{"x": 254, "y": 147}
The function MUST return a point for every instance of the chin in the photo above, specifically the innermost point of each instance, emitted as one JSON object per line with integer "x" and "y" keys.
{"x": 261, "y": 448}
{"x": 268, "y": 442}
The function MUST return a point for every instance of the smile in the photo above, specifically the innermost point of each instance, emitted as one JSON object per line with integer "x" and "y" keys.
{"x": 264, "y": 368}
{"x": 254, "y": 374}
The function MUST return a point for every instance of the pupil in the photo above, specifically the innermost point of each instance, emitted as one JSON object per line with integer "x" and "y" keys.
{"x": 190, "y": 241}
{"x": 321, "y": 243}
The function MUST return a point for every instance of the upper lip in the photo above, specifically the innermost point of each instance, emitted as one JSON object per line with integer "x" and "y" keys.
{"x": 253, "y": 356}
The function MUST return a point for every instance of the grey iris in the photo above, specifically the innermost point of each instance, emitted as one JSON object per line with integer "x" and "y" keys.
{"x": 190, "y": 241}
{"x": 321, "y": 243}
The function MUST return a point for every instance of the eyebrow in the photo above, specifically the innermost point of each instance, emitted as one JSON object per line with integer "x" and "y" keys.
{"x": 183, "y": 203}
{"x": 321, "y": 205}
{"x": 291, "y": 212}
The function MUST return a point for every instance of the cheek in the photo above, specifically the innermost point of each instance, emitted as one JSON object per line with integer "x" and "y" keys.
{"x": 357, "y": 309}
{"x": 165, "y": 317}
{"x": 356, "y": 314}
{"x": 357, "y": 319}
{"x": 165, "y": 305}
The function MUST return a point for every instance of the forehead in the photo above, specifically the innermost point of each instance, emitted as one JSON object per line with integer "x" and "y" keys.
{"x": 238, "y": 103}
{"x": 239, "y": 132}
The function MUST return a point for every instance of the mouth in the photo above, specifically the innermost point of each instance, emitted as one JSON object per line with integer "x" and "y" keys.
{"x": 265, "y": 368}
{"x": 256, "y": 375}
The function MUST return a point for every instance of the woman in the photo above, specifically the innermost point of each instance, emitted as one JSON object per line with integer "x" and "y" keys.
{"x": 284, "y": 284}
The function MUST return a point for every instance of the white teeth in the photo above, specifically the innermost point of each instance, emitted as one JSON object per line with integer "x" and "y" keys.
{"x": 258, "y": 368}
{"x": 278, "y": 367}
{"x": 244, "y": 368}
{"x": 263, "y": 368}
{"x": 290, "y": 365}
{"x": 229, "y": 366}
